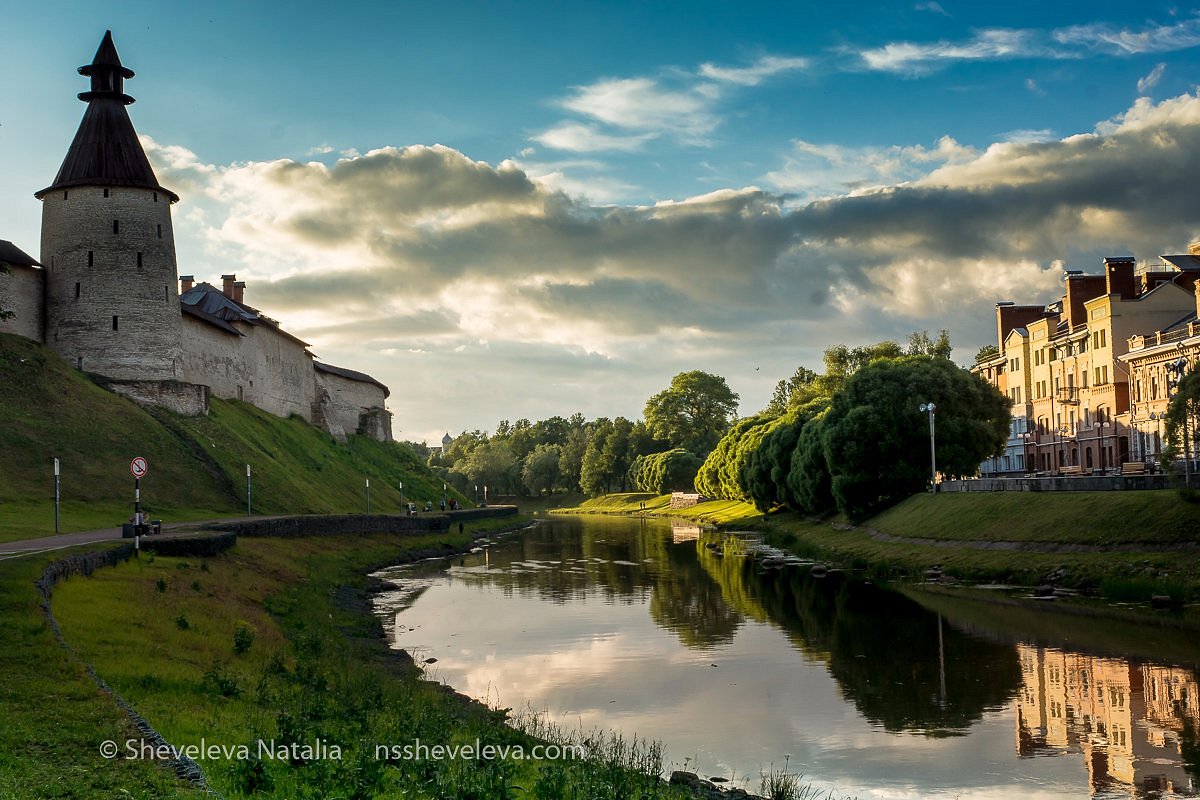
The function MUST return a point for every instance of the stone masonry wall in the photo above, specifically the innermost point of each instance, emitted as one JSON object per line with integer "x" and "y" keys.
{"x": 112, "y": 292}
{"x": 21, "y": 291}
{"x": 264, "y": 367}
{"x": 347, "y": 406}
{"x": 188, "y": 399}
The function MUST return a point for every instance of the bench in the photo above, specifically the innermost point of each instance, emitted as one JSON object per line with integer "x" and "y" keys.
{"x": 1133, "y": 468}
{"x": 1070, "y": 471}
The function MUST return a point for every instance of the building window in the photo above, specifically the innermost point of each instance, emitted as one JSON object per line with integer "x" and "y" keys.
{"x": 116, "y": 226}
{"x": 106, "y": 192}
{"x": 160, "y": 230}
{"x": 139, "y": 260}
{"x": 76, "y": 290}
{"x": 64, "y": 198}
{"x": 91, "y": 258}
{"x": 114, "y": 322}
{"x": 156, "y": 197}
{"x": 166, "y": 293}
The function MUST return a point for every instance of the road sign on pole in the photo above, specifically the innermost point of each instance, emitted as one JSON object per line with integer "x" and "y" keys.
{"x": 138, "y": 467}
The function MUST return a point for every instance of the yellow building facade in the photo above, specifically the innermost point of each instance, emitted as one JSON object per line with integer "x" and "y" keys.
{"x": 1064, "y": 366}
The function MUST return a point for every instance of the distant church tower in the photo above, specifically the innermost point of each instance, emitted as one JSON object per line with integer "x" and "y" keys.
{"x": 112, "y": 287}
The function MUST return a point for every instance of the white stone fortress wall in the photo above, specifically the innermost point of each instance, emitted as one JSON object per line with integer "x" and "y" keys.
{"x": 264, "y": 367}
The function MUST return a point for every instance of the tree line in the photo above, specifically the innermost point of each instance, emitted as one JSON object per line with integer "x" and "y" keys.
{"x": 850, "y": 439}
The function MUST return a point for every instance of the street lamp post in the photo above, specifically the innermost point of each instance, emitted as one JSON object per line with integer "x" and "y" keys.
{"x": 368, "y": 480}
{"x": 931, "y": 409}
{"x": 402, "y": 496}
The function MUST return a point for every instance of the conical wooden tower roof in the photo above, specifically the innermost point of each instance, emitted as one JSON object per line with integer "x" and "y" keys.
{"x": 106, "y": 150}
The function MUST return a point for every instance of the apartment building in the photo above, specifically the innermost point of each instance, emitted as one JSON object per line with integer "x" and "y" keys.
{"x": 1155, "y": 361}
{"x": 1061, "y": 364}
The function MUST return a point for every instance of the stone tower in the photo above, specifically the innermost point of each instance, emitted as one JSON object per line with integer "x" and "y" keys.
{"x": 112, "y": 289}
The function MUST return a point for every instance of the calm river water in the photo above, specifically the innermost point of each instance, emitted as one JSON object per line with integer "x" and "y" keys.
{"x": 638, "y": 627}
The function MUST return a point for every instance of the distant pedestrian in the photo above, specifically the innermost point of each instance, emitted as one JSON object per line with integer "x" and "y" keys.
{"x": 460, "y": 527}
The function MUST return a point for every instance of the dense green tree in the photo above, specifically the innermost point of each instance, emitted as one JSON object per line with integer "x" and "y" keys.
{"x": 808, "y": 480}
{"x": 693, "y": 412}
{"x": 919, "y": 344}
{"x": 718, "y": 474}
{"x": 540, "y": 472}
{"x": 595, "y": 474}
{"x": 789, "y": 393}
{"x": 876, "y": 439}
{"x": 667, "y": 471}
{"x": 570, "y": 459}
{"x": 764, "y": 475}
{"x": 491, "y": 463}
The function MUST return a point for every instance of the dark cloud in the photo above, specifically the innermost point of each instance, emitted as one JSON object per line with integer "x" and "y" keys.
{"x": 428, "y": 255}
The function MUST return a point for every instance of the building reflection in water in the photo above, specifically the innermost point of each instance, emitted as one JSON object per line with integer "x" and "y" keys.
{"x": 684, "y": 533}
{"x": 1134, "y": 725}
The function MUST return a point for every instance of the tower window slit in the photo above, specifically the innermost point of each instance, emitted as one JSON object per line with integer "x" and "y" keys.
{"x": 76, "y": 290}
{"x": 160, "y": 230}
{"x": 114, "y": 322}
{"x": 139, "y": 260}
{"x": 116, "y": 226}
{"x": 106, "y": 192}
{"x": 91, "y": 258}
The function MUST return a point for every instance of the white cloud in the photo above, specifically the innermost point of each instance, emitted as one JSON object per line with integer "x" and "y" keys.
{"x": 827, "y": 170}
{"x": 916, "y": 59}
{"x": 1076, "y": 41}
{"x": 1025, "y": 135}
{"x": 765, "y": 67}
{"x": 580, "y": 137}
{"x": 1124, "y": 41}
{"x": 933, "y": 7}
{"x": 643, "y": 104}
{"x": 1151, "y": 79}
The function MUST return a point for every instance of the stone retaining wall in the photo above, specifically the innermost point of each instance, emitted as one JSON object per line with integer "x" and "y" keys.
{"x": 358, "y": 524}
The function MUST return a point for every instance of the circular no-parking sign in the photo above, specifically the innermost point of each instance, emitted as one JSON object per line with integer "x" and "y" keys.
{"x": 139, "y": 467}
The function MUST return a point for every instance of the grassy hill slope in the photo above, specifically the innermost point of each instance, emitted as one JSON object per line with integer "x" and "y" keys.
{"x": 197, "y": 465}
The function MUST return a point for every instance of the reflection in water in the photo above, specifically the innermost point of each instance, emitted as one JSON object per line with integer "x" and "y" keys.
{"x": 671, "y": 635}
{"x": 887, "y": 653}
{"x": 1133, "y": 724}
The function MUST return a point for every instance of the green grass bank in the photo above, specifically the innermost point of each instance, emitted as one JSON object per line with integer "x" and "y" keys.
{"x": 271, "y": 640}
{"x": 197, "y": 465}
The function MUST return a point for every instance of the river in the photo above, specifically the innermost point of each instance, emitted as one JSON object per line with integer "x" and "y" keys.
{"x": 669, "y": 634}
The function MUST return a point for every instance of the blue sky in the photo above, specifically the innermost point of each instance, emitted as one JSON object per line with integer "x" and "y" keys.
{"x": 555, "y": 207}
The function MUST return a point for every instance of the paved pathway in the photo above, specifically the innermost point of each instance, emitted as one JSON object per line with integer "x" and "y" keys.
{"x": 61, "y": 541}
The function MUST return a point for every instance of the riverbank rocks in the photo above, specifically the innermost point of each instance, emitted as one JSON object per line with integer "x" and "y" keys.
{"x": 697, "y": 787}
